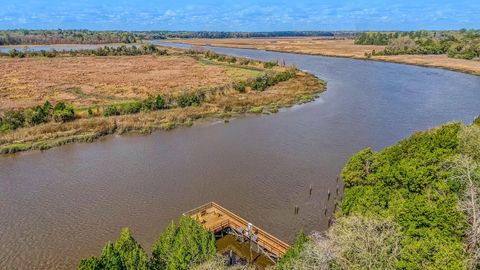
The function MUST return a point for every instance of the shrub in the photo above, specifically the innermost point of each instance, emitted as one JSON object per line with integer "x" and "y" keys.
{"x": 159, "y": 103}
{"x": 35, "y": 116}
{"x": 12, "y": 120}
{"x": 239, "y": 86}
{"x": 270, "y": 64}
{"x": 111, "y": 110}
{"x": 190, "y": 99}
{"x": 130, "y": 107}
{"x": 293, "y": 253}
{"x": 63, "y": 113}
{"x": 261, "y": 83}
{"x": 477, "y": 121}
{"x": 231, "y": 59}
{"x": 245, "y": 62}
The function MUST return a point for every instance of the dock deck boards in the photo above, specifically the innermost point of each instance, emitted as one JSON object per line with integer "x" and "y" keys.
{"x": 215, "y": 218}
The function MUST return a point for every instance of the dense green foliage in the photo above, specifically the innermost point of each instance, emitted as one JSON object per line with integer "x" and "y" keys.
{"x": 18, "y": 37}
{"x": 189, "y": 99}
{"x": 414, "y": 205}
{"x": 178, "y": 248}
{"x": 375, "y": 38}
{"x": 477, "y": 121}
{"x": 293, "y": 253}
{"x": 186, "y": 99}
{"x": 125, "y": 254}
{"x": 123, "y": 50}
{"x": 410, "y": 183}
{"x": 215, "y": 34}
{"x": 464, "y": 44}
{"x": 11, "y": 120}
{"x": 261, "y": 83}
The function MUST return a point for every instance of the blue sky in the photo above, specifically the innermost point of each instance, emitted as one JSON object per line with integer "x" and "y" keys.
{"x": 239, "y": 15}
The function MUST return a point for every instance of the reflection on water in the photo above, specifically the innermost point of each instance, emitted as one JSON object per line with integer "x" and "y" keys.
{"x": 64, "y": 204}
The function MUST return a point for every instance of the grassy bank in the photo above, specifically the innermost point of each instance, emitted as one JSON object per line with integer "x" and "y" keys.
{"x": 339, "y": 48}
{"x": 119, "y": 104}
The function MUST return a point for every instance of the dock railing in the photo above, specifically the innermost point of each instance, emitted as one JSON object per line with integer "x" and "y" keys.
{"x": 266, "y": 240}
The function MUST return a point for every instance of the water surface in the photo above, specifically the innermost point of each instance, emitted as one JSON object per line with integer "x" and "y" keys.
{"x": 64, "y": 204}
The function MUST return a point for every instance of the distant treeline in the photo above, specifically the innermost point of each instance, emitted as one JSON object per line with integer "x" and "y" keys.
{"x": 213, "y": 34}
{"x": 43, "y": 37}
{"x": 463, "y": 44}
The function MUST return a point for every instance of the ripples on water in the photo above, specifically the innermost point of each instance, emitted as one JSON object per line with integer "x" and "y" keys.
{"x": 61, "y": 205}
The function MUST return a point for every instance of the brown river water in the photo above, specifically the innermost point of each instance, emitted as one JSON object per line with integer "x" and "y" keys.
{"x": 63, "y": 204}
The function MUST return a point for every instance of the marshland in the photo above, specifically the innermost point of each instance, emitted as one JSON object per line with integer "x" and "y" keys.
{"x": 323, "y": 149}
{"x": 271, "y": 159}
{"x": 54, "y": 98}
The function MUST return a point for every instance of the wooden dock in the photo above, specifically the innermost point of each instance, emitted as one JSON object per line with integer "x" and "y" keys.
{"x": 217, "y": 219}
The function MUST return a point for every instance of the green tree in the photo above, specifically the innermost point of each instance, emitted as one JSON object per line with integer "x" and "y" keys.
{"x": 110, "y": 258}
{"x": 293, "y": 254}
{"x": 410, "y": 183}
{"x": 90, "y": 264}
{"x": 132, "y": 255}
{"x": 162, "y": 249}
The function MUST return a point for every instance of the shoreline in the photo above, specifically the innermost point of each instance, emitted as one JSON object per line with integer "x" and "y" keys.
{"x": 383, "y": 58}
{"x": 302, "y": 88}
{"x": 373, "y": 58}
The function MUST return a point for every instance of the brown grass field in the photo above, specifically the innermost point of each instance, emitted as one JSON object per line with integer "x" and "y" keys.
{"x": 86, "y": 81}
{"x": 319, "y": 46}
{"x": 340, "y": 48}
{"x": 97, "y": 81}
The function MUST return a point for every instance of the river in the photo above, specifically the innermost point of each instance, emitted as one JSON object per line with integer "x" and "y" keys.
{"x": 63, "y": 204}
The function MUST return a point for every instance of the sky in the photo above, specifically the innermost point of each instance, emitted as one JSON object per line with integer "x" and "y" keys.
{"x": 240, "y": 15}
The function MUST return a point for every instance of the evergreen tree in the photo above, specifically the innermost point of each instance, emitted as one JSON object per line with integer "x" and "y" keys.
{"x": 132, "y": 255}
{"x": 90, "y": 264}
{"x": 162, "y": 250}
{"x": 110, "y": 259}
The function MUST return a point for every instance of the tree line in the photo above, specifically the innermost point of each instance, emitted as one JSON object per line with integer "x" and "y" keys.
{"x": 179, "y": 247}
{"x": 221, "y": 34}
{"x": 123, "y": 50}
{"x": 44, "y": 37}
{"x": 414, "y": 205}
{"x": 463, "y": 44}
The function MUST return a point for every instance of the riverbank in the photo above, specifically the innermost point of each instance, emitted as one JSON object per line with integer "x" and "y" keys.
{"x": 191, "y": 85}
{"x": 337, "y": 48}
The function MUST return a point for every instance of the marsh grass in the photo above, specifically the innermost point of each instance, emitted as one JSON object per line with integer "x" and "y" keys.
{"x": 221, "y": 103}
